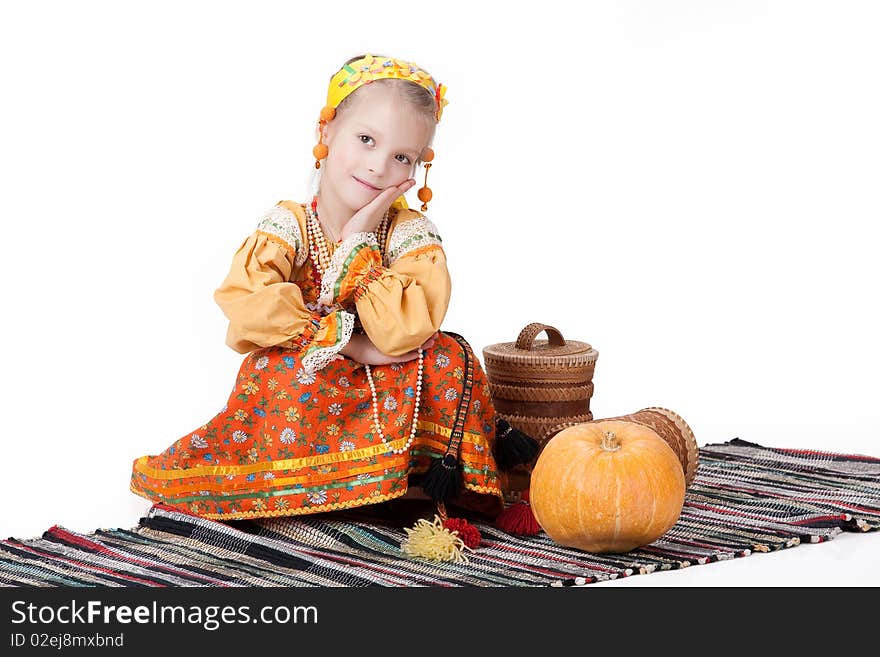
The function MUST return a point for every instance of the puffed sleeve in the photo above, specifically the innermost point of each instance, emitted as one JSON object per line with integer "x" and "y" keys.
{"x": 265, "y": 309}
{"x": 401, "y": 302}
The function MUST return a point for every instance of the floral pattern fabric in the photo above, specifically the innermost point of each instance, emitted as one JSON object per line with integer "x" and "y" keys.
{"x": 295, "y": 439}
{"x": 290, "y": 442}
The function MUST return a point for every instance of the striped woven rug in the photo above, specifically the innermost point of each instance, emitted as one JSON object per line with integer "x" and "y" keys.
{"x": 745, "y": 498}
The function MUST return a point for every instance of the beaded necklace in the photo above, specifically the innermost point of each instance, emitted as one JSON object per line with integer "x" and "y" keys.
{"x": 319, "y": 251}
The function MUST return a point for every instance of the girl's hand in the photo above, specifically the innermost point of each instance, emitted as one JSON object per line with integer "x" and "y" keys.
{"x": 367, "y": 219}
{"x": 362, "y": 349}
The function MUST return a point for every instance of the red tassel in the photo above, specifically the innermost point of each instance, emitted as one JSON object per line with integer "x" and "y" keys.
{"x": 518, "y": 518}
{"x": 469, "y": 534}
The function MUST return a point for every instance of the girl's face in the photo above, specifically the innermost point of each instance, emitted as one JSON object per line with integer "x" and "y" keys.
{"x": 372, "y": 146}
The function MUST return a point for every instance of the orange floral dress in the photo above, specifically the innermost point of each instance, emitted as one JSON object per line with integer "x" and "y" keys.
{"x": 297, "y": 433}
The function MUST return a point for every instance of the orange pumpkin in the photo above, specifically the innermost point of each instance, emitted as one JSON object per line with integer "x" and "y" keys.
{"x": 607, "y": 486}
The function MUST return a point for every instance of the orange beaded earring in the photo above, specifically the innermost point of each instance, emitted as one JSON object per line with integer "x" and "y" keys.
{"x": 425, "y": 192}
{"x": 320, "y": 149}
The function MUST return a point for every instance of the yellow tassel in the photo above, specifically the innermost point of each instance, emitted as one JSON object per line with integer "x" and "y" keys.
{"x": 432, "y": 541}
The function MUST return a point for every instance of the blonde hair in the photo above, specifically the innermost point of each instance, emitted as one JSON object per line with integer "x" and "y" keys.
{"x": 418, "y": 99}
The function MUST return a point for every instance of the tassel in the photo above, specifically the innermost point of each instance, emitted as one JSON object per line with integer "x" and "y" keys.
{"x": 465, "y": 530}
{"x": 433, "y": 541}
{"x": 512, "y": 446}
{"x": 518, "y": 518}
{"x": 443, "y": 479}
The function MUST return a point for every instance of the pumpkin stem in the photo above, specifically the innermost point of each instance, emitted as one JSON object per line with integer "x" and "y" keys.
{"x": 610, "y": 443}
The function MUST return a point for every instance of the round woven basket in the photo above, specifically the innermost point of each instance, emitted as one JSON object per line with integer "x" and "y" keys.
{"x": 536, "y": 385}
{"x": 670, "y": 426}
{"x": 675, "y": 431}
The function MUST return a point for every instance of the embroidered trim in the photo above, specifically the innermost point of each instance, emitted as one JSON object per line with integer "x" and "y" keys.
{"x": 221, "y": 488}
{"x": 446, "y": 432}
{"x": 489, "y": 490}
{"x": 286, "y": 464}
{"x": 308, "y": 333}
{"x": 296, "y": 511}
{"x": 409, "y": 235}
{"x": 196, "y": 495}
{"x": 338, "y": 268}
{"x": 321, "y": 356}
{"x": 282, "y": 223}
{"x": 292, "y": 464}
{"x": 319, "y": 308}
{"x": 367, "y": 278}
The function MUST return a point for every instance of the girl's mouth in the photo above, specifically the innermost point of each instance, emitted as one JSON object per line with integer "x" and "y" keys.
{"x": 375, "y": 189}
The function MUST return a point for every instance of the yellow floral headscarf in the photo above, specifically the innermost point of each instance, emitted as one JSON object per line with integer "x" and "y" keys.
{"x": 369, "y": 68}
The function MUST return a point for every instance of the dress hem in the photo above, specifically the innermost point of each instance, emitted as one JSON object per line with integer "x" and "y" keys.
{"x": 335, "y": 506}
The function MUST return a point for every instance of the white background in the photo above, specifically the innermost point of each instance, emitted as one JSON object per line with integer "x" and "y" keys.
{"x": 690, "y": 186}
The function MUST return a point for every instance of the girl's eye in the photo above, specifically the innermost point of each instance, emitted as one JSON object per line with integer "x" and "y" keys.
{"x": 362, "y": 137}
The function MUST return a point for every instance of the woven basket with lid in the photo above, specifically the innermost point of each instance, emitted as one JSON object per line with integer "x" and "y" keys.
{"x": 669, "y": 425}
{"x": 538, "y": 384}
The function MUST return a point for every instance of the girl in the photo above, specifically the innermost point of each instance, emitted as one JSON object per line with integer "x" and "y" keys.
{"x": 350, "y": 394}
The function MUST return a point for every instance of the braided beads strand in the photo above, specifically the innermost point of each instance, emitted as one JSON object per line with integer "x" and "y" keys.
{"x": 320, "y": 253}
{"x": 318, "y": 248}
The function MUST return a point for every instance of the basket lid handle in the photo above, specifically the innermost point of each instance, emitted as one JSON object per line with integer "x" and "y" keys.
{"x": 527, "y": 336}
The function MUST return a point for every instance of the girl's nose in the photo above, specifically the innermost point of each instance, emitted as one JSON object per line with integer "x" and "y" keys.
{"x": 376, "y": 165}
